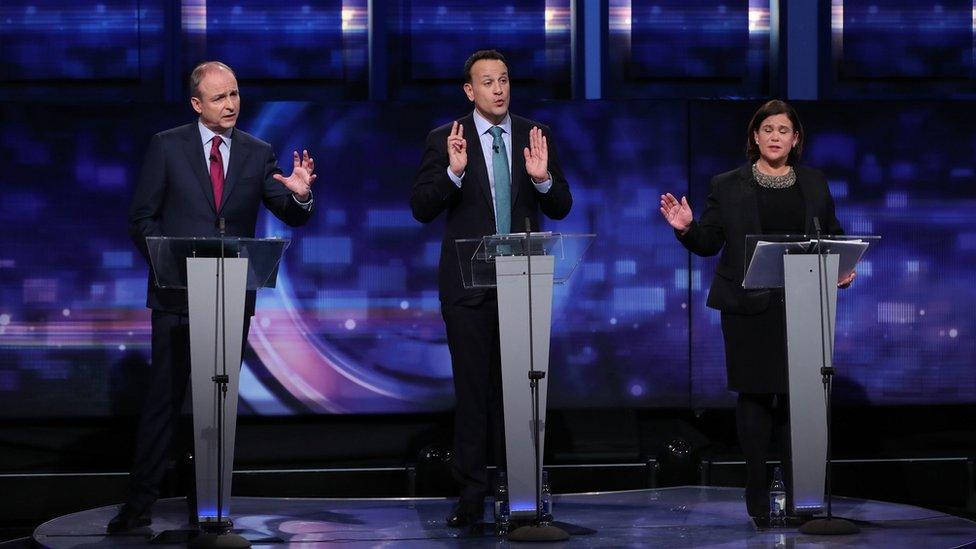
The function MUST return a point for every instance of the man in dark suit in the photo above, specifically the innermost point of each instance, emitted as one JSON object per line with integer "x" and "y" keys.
{"x": 192, "y": 177}
{"x": 489, "y": 171}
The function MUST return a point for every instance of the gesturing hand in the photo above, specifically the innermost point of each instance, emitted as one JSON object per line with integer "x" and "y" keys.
{"x": 847, "y": 281}
{"x": 457, "y": 149}
{"x": 537, "y": 156}
{"x": 301, "y": 178}
{"x": 678, "y": 214}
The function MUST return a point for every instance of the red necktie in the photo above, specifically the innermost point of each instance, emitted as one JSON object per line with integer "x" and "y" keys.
{"x": 216, "y": 170}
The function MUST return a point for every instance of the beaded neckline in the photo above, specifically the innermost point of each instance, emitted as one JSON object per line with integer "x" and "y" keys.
{"x": 774, "y": 181}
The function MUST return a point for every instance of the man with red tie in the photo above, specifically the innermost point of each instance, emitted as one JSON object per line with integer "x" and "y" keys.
{"x": 192, "y": 177}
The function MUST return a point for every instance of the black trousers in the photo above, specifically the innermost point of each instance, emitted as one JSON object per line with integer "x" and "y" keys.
{"x": 758, "y": 416}
{"x": 472, "y": 337}
{"x": 163, "y": 404}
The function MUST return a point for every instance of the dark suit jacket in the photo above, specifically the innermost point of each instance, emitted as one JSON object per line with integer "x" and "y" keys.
{"x": 470, "y": 210}
{"x": 174, "y": 196}
{"x": 732, "y": 212}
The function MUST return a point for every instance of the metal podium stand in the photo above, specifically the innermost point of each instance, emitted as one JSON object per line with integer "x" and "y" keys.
{"x": 216, "y": 314}
{"x": 504, "y": 262}
{"x": 808, "y": 269}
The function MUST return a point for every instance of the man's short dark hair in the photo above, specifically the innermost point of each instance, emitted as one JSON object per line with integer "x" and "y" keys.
{"x": 478, "y": 56}
{"x": 200, "y": 71}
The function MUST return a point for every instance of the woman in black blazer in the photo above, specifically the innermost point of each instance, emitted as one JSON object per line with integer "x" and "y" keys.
{"x": 770, "y": 195}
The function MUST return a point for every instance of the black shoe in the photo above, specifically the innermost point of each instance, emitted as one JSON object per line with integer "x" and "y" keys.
{"x": 129, "y": 518}
{"x": 466, "y": 514}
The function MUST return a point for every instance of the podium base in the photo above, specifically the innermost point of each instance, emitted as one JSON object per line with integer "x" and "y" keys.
{"x": 538, "y": 532}
{"x": 210, "y": 540}
{"x": 829, "y": 527}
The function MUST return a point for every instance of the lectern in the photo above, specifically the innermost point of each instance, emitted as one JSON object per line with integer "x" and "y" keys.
{"x": 217, "y": 273}
{"x": 505, "y": 262}
{"x": 808, "y": 268}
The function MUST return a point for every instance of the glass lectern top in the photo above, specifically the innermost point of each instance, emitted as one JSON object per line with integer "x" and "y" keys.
{"x": 477, "y": 255}
{"x": 168, "y": 256}
{"x": 764, "y": 252}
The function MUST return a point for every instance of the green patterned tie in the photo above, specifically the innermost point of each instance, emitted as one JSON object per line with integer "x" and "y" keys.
{"x": 503, "y": 182}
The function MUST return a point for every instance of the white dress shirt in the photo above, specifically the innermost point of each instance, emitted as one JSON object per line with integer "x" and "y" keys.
{"x": 483, "y": 128}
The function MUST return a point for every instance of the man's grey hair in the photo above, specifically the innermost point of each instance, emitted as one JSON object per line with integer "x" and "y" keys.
{"x": 200, "y": 71}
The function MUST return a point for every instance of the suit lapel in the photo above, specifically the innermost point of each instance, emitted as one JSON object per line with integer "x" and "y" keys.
{"x": 239, "y": 151}
{"x": 520, "y": 140}
{"x": 193, "y": 148}
{"x": 750, "y": 203}
{"x": 808, "y": 189}
{"x": 476, "y": 162}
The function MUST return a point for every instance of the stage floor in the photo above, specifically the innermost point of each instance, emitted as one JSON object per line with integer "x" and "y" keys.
{"x": 689, "y": 516}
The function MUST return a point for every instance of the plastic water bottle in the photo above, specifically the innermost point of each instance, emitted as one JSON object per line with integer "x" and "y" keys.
{"x": 777, "y": 500}
{"x": 546, "y": 499}
{"x": 502, "y": 512}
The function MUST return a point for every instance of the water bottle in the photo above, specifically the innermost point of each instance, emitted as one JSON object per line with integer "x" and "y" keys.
{"x": 502, "y": 511}
{"x": 546, "y": 499}
{"x": 777, "y": 500}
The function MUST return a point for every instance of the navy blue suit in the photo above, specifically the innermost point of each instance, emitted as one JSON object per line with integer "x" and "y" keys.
{"x": 471, "y": 315}
{"x": 174, "y": 197}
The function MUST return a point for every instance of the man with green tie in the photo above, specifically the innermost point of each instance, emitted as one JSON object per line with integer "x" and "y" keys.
{"x": 489, "y": 171}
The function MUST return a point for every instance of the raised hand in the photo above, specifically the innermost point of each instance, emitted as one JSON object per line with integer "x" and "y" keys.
{"x": 457, "y": 149}
{"x": 537, "y": 156}
{"x": 677, "y": 214}
{"x": 301, "y": 178}
{"x": 847, "y": 281}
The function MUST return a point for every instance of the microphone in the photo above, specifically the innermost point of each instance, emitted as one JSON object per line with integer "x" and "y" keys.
{"x": 528, "y": 225}
{"x": 213, "y": 158}
{"x": 221, "y": 225}
{"x": 816, "y": 227}
{"x": 495, "y": 148}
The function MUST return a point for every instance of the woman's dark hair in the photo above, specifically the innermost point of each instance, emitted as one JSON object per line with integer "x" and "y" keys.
{"x": 478, "y": 56}
{"x": 771, "y": 108}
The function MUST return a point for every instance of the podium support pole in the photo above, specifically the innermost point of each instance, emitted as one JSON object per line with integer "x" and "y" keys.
{"x": 809, "y": 341}
{"x": 210, "y": 341}
{"x": 513, "y": 330}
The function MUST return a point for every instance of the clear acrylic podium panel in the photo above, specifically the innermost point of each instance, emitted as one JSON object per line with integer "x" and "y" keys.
{"x": 168, "y": 257}
{"x": 476, "y": 256}
{"x": 764, "y": 252}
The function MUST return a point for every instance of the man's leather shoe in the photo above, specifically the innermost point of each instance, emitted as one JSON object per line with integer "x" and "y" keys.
{"x": 129, "y": 518}
{"x": 464, "y": 514}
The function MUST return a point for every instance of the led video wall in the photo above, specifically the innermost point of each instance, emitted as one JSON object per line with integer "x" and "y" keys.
{"x": 354, "y": 325}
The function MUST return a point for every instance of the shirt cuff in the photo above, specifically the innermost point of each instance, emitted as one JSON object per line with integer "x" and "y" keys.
{"x": 545, "y": 185}
{"x": 307, "y": 205}
{"x": 455, "y": 179}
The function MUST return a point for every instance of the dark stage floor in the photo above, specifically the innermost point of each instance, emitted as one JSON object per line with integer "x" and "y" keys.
{"x": 669, "y": 517}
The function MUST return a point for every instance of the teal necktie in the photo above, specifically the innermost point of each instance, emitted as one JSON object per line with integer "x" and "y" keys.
{"x": 503, "y": 182}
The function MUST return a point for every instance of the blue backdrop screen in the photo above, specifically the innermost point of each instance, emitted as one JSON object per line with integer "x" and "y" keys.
{"x": 354, "y": 325}
{"x": 906, "y": 39}
{"x": 442, "y": 34}
{"x": 77, "y": 40}
{"x": 269, "y": 40}
{"x": 689, "y": 39}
